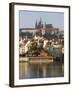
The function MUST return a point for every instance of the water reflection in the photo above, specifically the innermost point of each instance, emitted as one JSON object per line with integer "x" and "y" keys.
{"x": 40, "y": 70}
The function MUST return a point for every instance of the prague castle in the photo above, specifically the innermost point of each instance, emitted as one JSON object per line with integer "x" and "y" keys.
{"x": 40, "y": 28}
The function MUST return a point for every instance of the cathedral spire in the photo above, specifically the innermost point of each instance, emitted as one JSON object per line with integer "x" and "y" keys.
{"x": 36, "y": 25}
{"x": 40, "y": 22}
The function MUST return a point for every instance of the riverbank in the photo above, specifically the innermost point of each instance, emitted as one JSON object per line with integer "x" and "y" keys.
{"x": 48, "y": 59}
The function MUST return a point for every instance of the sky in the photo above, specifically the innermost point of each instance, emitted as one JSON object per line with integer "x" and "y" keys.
{"x": 27, "y": 19}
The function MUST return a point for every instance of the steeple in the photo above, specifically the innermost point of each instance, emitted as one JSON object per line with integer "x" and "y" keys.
{"x": 40, "y": 25}
{"x": 40, "y": 22}
{"x": 36, "y": 24}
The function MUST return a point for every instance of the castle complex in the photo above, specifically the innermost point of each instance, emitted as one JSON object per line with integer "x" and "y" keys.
{"x": 40, "y": 29}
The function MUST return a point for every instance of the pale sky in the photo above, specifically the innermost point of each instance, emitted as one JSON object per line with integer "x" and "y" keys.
{"x": 27, "y": 19}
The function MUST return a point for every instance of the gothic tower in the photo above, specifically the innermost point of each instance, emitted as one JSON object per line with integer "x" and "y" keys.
{"x": 36, "y": 25}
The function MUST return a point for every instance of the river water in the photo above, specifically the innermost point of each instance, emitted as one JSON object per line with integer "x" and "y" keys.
{"x": 40, "y": 70}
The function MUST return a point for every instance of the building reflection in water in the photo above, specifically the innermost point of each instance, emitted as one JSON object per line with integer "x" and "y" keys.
{"x": 40, "y": 70}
